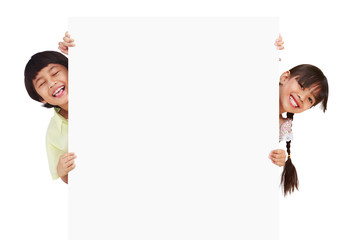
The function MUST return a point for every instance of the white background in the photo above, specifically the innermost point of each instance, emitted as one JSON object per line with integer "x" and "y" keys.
{"x": 170, "y": 149}
{"x": 324, "y": 33}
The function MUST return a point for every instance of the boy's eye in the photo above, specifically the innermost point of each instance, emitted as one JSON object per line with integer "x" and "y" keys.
{"x": 310, "y": 100}
{"x": 56, "y": 73}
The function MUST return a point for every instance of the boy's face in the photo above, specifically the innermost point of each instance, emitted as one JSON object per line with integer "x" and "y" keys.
{"x": 293, "y": 97}
{"x": 51, "y": 83}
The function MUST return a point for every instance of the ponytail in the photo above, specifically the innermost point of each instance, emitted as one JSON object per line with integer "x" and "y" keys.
{"x": 289, "y": 178}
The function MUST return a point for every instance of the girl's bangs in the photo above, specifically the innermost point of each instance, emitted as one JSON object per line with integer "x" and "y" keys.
{"x": 312, "y": 78}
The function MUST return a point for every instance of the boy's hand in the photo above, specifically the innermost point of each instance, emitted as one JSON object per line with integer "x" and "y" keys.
{"x": 66, "y": 164}
{"x": 279, "y": 43}
{"x": 278, "y": 157}
{"x": 68, "y": 42}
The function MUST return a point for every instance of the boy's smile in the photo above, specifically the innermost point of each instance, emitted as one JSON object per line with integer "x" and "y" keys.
{"x": 59, "y": 92}
{"x": 293, "y": 97}
{"x": 51, "y": 83}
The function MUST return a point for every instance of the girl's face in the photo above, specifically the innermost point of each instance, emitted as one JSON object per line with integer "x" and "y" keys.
{"x": 51, "y": 83}
{"x": 293, "y": 97}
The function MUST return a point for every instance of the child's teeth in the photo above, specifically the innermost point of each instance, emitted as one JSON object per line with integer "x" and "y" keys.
{"x": 293, "y": 101}
{"x": 58, "y": 90}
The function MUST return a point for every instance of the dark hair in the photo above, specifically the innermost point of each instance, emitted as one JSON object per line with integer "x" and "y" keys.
{"x": 37, "y": 62}
{"x": 310, "y": 77}
{"x": 289, "y": 178}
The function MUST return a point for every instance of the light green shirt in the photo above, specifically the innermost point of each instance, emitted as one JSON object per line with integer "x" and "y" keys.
{"x": 56, "y": 141}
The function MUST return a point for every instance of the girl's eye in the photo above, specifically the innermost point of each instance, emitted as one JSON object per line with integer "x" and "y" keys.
{"x": 302, "y": 87}
{"x": 56, "y": 73}
{"x": 41, "y": 84}
{"x": 310, "y": 100}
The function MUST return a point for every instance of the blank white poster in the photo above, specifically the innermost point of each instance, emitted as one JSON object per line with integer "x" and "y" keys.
{"x": 172, "y": 120}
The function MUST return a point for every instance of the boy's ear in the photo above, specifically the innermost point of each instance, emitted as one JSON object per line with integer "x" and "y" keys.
{"x": 284, "y": 77}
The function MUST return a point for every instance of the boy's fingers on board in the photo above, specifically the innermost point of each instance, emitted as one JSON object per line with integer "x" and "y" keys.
{"x": 63, "y": 50}
{"x": 62, "y": 47}
{"x": 69, "y": 163}
{"x": 65, "y": 44}
{"x": 62, "y": 44}
{"x": 69, "y": 159}
{"x": 71, "y": 167}
{"x": 67, "y": 34}
{"x": 67, "y": 156}
{"x": 68, "y": 40}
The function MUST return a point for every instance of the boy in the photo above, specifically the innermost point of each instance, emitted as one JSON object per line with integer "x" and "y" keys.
{"x": 46, "y": 81}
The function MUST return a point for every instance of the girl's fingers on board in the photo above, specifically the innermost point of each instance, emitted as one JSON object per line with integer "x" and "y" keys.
{"x": 279, "y": 42}
{"x": 277, "y": 163}
{"x": 277, "y": 156}
{"x": 277, "y": 151}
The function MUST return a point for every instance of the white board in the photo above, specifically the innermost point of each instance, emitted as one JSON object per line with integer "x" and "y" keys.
{"x": 172, "y": 120}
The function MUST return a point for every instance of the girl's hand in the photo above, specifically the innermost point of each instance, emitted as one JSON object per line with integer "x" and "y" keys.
{"x": 279, "y": 43}
{"x": 66, "y": 164}
{"x": 278, "y": 157}
{"x": 68, "y": 42}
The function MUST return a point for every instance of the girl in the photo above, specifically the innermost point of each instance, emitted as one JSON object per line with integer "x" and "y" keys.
{"x": 301, "y": 88}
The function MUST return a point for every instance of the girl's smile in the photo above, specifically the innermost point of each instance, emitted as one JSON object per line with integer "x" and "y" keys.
{"x": 293, "y": 102}
{"x": 293, "y": 97}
